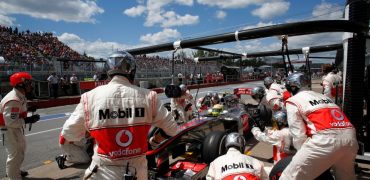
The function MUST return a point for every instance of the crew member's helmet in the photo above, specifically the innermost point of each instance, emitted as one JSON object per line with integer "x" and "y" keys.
{"x": 280, "y": 117}
{"x": 215, "y": 98}
{"x": 296, "y": 82}
{"x": 235, "y": 140}
{"x": 258, "y": 93}
{"x": 122, "y": 63}
{"x": 231, "y": 100}
{"x": 20, "y": 79}
{"x": 268, "y": 81}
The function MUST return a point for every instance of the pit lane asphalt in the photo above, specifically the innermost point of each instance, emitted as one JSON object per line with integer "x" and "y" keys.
{"x": 42, "y": 140}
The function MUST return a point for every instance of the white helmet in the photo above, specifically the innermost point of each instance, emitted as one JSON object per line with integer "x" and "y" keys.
{"x": 268, "y": 81}
{"x": 235, "y": 140}
{"x": 122, "y": 63}
{"x": 297, "y": 81}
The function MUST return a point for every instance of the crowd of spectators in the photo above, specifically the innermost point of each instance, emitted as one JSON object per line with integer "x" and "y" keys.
{"x": 155, "y": 62}
{"x": 39, "y": 49}
{"x": 25, "y": 47}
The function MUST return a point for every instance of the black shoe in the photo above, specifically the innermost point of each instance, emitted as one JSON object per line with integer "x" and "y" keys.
{"x": 61, "y": 159}
{"x": 271, "y": 160}
{"x": 24, "y": 173}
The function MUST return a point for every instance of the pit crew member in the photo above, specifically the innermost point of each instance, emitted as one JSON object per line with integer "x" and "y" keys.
{"x": 118, "y": 116}
{"x": 12, "y": 119}
{"x": 182, "y": 104}
{"x": 274, "y": 94}
{"x": 73, "y": 152}
{"x": 322, "y": 134}
{"x": 279, "y": 138}
{"x": 234, "y": 164}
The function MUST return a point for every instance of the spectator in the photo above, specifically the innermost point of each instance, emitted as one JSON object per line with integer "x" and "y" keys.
{"x": 54, "y": 82}
{"x": 65, "y": 84}
{"x": 199, "y": 78}
{"x": 74, "y": 81}
{"x": 180, "y": 76}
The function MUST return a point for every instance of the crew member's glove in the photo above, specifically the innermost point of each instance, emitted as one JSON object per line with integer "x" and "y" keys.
{"x": 32, "y": 108}
{"x": 253, "y": 123}
{"x": 32, "y": 119}
{"x": 255, "y": 130}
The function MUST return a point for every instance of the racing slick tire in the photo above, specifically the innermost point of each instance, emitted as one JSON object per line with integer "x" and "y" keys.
{"x": 279, "y": 167}
{"x": 213, "y": 146}
{"x": 265, "y": 116}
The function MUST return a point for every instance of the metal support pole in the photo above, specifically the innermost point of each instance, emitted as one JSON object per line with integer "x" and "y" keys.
{"x": 356, "y": 11}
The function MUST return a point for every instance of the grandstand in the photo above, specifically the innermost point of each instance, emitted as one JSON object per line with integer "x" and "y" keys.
{"x": 41, "y": 53}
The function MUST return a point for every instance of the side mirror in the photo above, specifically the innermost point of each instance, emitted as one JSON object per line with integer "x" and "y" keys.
{"x": 172, "y": 91}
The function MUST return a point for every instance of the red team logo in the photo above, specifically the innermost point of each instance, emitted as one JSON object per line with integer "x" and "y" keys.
{"x": 124, "y": 135}
{"x": 337, "y": 115}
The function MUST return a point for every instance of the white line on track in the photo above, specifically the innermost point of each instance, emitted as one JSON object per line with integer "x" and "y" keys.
{"x": 40, "y": 132}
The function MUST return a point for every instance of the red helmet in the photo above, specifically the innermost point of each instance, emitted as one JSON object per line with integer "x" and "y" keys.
{"x": 19, "y": 77}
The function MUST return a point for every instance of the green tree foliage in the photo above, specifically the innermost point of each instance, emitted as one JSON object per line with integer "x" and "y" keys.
{"x": 202, "y": 53}
{"x": 254, "y": 62}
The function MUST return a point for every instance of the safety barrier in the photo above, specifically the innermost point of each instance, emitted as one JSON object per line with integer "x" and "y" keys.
{"x": 74, "y": 100}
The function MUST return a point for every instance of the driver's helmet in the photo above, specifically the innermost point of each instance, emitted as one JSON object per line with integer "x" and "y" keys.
{"x": 231, "y": 100}
{"x": 258, "y": 93}
{"x": 217, "y": 109}
{"x": 280, "y": 117}
{"x": 122, "y": 63}
{"x": 20, "y": 79}
{"x": 235, "y": 140}
{"x": 215, "y": 98}
{"x": 268, "y": 81}
{"x": 296, "y": 82}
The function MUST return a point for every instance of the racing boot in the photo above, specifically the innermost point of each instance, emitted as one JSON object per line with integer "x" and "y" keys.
{"x": 61, "y": 159}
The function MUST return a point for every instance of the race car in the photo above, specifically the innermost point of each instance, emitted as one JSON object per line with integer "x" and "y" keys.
{"x": 199, "y": 141}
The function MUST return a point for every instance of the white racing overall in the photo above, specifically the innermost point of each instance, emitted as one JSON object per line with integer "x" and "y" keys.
{"x": 235, "y": 165}
{"x": 13, "y": 110}
{"x": 280, "y": 139}
{"x": 118, "y": 116}
{"x": 323, "y": 136}
{"x": 329, "y": 84}
{"x": 180, "y": 103}
{"x": 75, "y": 151}
{"x": 274, "y": 97}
